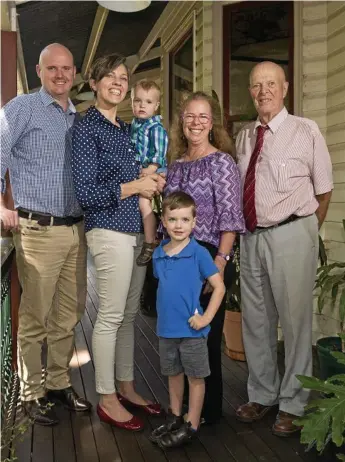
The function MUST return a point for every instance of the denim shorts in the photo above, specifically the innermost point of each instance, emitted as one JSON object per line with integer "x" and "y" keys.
{"x": 188, "y": 355}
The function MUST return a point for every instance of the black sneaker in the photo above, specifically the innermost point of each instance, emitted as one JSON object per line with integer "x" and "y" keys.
{"x": 173, "y": 422}
{"x": 176, "y": 438}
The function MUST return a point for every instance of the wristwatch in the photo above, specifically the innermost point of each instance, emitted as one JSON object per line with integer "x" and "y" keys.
{"x": 223, "y": 255}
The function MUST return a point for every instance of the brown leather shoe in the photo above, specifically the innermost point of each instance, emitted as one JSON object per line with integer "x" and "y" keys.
{"x": 250, "y": 412}
{"x": 284, "y": 426}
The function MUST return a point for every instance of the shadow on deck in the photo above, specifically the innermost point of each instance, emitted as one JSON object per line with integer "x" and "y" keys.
{"x": 82, "y": 438}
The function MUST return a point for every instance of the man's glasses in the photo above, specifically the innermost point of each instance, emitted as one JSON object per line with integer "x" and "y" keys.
{"x": 204, "y": 119}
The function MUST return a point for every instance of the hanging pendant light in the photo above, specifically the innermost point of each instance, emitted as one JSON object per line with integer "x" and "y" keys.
{"x": 130, "y": 6}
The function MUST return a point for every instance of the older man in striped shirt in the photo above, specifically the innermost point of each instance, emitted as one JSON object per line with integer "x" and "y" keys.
{"x": 48, "y": 233}
{"x": 287, "y": 182}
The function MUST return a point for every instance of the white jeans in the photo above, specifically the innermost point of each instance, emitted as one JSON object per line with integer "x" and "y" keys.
{"x": 120, "y": 282}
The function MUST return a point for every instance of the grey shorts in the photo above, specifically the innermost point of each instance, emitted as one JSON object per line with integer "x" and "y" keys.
{"x": 188, "y": 355}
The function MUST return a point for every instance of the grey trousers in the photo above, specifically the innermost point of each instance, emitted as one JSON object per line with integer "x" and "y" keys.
{"x": 278, "y": 270}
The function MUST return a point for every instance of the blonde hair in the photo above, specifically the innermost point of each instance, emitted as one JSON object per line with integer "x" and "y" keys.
{"x": 178, "y": 143}
{"x": 146, "y": 85}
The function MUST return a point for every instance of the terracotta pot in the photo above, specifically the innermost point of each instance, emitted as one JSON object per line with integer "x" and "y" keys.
{"x": 233, "y": 335}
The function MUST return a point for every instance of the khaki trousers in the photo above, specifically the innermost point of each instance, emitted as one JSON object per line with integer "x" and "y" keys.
{"x": 278, "y": 270}
{"x": 51, "y": 264}
{"x": 120, "y": 282}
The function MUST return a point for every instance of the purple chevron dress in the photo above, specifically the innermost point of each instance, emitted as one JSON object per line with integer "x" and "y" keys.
{"x": 214, "y": 184}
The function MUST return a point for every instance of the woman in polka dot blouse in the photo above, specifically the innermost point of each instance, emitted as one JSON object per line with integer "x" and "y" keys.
{"x": 105, "y": 176}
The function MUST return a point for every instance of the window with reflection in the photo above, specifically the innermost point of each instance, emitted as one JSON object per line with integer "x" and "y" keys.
{"x": 181, "y": 72}
{"x": 254, "y": 32}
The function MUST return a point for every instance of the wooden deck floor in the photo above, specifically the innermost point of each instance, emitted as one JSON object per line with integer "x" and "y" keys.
{"x": 82, "y": 438}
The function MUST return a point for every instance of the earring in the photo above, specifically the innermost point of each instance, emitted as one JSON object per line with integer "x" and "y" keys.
{"x": 210, "y": 136}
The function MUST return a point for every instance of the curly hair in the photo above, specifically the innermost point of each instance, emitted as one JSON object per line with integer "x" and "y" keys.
{"x": 178, "y": 143}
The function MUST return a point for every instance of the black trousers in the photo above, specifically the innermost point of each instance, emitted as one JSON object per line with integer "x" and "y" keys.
{"x": 212, "y": 409}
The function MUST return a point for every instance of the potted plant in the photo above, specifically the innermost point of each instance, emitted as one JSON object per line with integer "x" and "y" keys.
{"x": 233, "y": 319}
{"x": 331, "y": 286}
{"x": 324, "y": 421}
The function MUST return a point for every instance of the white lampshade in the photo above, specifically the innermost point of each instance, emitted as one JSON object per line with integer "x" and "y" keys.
{"x": 130, "y": 6}
{"x": 85, "y": 96}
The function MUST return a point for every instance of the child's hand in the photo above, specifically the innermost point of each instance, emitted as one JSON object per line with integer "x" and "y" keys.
{"x": 198, "y": 321}
{"x": 144, "y": 172}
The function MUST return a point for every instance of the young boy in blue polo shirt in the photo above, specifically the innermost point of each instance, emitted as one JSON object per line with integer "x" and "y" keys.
{"x": 182, "y": 266}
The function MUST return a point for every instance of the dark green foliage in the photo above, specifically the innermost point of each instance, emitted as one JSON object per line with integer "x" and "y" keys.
{"x": 325, "y": 417}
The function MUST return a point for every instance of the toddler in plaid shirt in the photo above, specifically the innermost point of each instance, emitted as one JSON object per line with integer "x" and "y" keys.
{"x": 151, "y": 141}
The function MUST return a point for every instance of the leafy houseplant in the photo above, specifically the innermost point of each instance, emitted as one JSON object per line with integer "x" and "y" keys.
{"x": 331, "y": 285}
{"x": 325, "y": 418}
{"x": 233, "y": 320}
{"x": 331, "y": 281}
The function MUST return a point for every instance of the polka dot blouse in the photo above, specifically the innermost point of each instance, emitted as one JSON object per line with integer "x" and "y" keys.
{"x": 103, "y": 159}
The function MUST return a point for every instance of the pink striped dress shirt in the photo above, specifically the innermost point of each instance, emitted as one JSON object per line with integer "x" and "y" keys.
{"x": 293, "y": 166}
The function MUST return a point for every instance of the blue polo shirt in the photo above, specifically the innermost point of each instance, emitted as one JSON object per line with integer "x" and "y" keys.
{"x": 181, "y": 278}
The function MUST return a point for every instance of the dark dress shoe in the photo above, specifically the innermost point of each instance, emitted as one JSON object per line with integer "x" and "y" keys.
{"x": 251, "y": 412}
{"x": 40, "y": 412}
{"x": 284, "y": 425}
{"x": 177, "y": 438}
{"x": 70, "y": 399}
{"x": 150, "y": 409}
{"x": 134, "y": 424}
{"x": 173, "y": 422}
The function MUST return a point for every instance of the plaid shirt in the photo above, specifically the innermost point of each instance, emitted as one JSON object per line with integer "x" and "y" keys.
{"x": 151, "y": 141}
{"x": 36, "y": 149}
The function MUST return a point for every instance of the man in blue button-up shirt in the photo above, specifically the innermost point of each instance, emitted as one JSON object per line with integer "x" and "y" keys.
{"x": 48, "y": 232}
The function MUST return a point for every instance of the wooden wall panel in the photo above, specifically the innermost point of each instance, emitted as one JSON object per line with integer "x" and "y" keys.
{"x": 8, "y": 66}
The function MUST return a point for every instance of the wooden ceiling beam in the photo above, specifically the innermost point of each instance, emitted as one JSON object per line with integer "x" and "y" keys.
{"x": 154, "y": 53}
{"x": 170, "y": 12}
{"x": 96, "y": 33}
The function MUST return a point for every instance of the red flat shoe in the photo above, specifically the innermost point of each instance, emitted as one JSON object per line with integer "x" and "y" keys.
{"x": 154, "y": 409}
{"x": 134, "y": 424}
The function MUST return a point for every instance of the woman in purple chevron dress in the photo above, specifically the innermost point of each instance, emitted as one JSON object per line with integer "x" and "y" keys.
{"x": 202, "y": 165}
